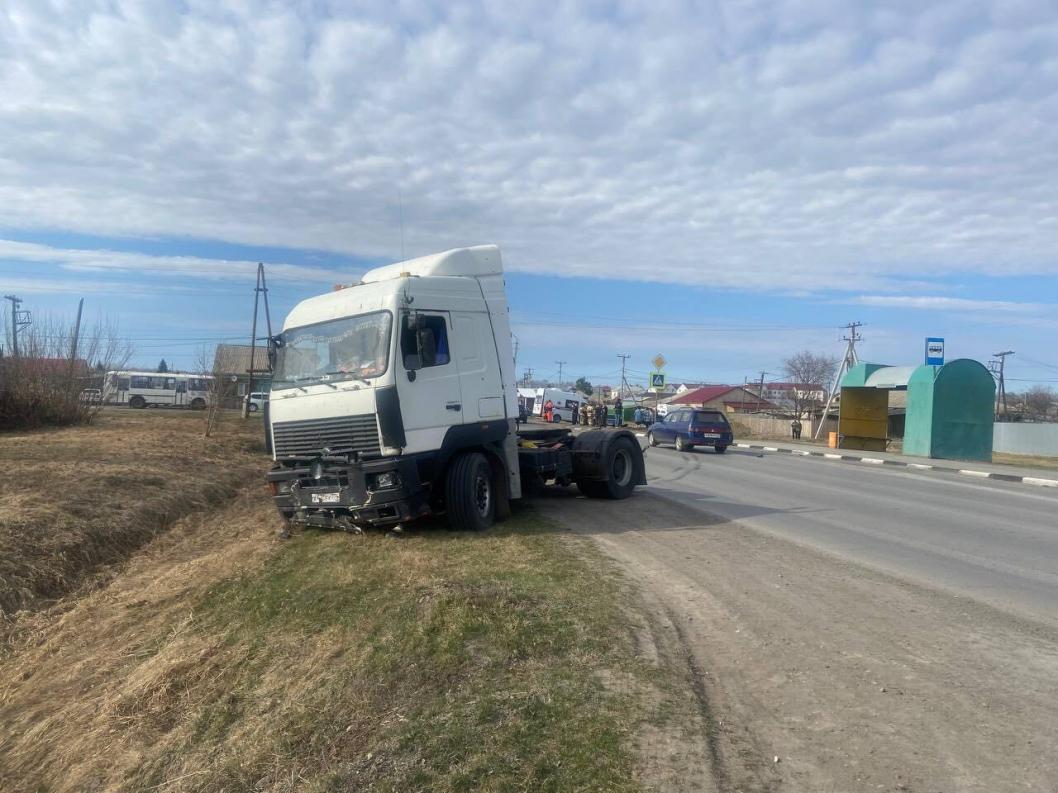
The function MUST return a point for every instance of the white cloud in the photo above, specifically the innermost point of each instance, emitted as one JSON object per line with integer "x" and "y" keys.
{"x": 104, "y": 261}
{"x": 940, "y": 303}
{"x": 777, "y": 145}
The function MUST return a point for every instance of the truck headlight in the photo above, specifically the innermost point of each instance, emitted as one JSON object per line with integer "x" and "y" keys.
{"x": 385, "y": 480}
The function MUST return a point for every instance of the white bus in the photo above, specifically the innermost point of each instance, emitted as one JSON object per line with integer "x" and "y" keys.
{"x": 169, "y": 389}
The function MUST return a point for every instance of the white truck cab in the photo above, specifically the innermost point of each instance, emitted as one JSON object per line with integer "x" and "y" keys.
{"x": 395, "y": 398}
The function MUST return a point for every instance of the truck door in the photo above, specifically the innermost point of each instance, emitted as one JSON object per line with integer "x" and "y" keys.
{"x": 479, "y": 374}
{"x": 430, "y": 399}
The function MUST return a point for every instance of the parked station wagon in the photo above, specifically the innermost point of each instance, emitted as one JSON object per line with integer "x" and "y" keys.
{"x": 690, "y": 427}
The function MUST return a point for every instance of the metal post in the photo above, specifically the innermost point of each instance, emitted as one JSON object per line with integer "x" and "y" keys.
{"x": 847, "y": 362}
{"x": 253, "y": 341}
{"x": 1001, "y": 390}
{"x": 73, "y": 343}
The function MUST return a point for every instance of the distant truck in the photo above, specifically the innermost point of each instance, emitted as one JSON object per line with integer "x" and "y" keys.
{"x": 396, "y": 398}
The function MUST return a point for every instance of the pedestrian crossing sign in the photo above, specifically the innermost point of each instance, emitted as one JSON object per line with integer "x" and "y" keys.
{"x": 657, "y": 380}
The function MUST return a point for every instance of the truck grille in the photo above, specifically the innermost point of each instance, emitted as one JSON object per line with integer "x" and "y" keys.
{"x": 340, "y": 435}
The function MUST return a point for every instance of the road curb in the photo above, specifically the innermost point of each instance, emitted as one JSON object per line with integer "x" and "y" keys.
{"x": 1026, "y": 480}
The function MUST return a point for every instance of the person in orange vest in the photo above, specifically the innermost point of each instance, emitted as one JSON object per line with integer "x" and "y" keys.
{"x": 549, "y": 408}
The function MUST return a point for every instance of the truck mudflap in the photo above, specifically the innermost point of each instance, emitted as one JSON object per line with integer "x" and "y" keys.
{"x": 608, "y": 463}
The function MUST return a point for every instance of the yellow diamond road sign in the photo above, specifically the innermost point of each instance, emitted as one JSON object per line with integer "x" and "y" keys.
{"x": 659, "y": 361}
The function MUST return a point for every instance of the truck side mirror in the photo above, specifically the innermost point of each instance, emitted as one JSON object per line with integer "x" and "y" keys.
{"x": 274, "y": 343}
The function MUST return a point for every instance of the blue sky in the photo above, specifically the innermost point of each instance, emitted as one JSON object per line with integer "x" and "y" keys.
{"x": 723, "y": 183}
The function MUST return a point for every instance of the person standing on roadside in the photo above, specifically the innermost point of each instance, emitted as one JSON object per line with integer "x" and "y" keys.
{"x": 795, "y": 428}
{"x": 549, "y": 408}
{"x": 618, "y": 407}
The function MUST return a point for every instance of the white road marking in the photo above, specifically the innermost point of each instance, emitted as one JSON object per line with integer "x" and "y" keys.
{"x": 771, "y": 448}
{"x": 967, "y": 472}
{"x": 1035, "y": 480}
{"x": 873, "y": 460}
{"x": 830, "y": 456}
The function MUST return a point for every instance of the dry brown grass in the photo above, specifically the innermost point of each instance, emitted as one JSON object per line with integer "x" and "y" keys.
{"x": 91, "y": 689}
{"x": 217, "y": 658}
{"x": 223, "y": 660}
{"x": 1026, "y": 460}
{"x": 76, "y": 499}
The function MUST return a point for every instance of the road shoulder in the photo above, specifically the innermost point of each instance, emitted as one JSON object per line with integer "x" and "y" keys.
{"x": 819, "y": 674}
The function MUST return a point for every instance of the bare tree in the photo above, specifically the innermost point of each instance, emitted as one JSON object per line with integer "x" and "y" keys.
{"x": 46, "y": 383}
{"x": 1039, "y": 400}
{"x": 810, "y": 376}
{"x": 220, "y": 388}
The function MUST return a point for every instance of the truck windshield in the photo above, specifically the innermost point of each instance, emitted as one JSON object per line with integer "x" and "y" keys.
{"x": 351, "y": 348}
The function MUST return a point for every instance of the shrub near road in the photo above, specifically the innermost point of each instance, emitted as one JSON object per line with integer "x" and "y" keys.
{"x": 220, "y": 658}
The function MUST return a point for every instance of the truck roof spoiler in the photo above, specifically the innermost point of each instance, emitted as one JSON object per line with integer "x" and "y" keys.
{"x": 476, "y": 261}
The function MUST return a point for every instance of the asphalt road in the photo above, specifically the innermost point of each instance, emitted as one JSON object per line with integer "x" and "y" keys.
{"x": 993, "y": 541}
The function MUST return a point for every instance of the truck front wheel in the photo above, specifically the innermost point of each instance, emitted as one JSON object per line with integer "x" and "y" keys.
{"x": 470, "y": 493}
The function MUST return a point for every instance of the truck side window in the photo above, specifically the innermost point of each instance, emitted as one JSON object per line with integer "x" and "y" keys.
{"x": 430, "y": 341}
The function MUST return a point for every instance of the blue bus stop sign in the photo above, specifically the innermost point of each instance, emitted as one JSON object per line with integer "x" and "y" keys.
{"x": 934, "y": 352}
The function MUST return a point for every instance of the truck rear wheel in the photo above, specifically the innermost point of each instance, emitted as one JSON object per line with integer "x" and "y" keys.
{"x": 470, "y": 493}
{"x": 620, "y": 473}
{"x": 137, "y": 402}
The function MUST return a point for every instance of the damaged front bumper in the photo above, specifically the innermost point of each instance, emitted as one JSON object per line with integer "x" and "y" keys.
{"x": 338, "y": 493}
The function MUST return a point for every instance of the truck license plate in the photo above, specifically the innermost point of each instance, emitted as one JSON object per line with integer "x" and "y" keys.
{"x": 325, "y": 498}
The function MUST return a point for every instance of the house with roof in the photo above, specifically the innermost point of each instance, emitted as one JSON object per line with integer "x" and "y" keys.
{"x": 232, "y": 364}
{"x": 791, "y": 393}
{"x": 725, "y": 398}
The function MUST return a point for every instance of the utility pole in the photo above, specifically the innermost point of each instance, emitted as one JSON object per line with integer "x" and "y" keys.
{"x": 260, "y": 294}
{"x": 1001, "y": 386}
{"x": 847, "y": 362}
{"x": 760, "y": 390}
{"x": 73, "y": 343}
{"x": 624, "y": 382}
{"x": 528, "y": 375}
{"x": 560, "y": 365}
{"x": 19, "y": 320}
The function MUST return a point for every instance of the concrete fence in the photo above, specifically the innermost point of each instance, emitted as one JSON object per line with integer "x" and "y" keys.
{"x": 769, "y": 427}
{"x": 1035, "y": 439}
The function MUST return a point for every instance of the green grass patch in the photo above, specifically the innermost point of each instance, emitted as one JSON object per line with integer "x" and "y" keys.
{"x": 439, "y": 662}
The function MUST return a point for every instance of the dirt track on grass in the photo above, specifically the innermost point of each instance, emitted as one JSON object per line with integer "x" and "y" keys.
{"x": 815, "y": 674}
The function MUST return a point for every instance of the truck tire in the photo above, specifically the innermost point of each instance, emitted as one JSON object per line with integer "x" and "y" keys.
{"x": 470, "y": 493}
{"x": 137, "y": 402}
{"x": 620, "y": 473}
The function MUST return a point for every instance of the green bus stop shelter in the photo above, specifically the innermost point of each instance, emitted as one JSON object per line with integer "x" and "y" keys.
{"x": 949, "y": 409}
